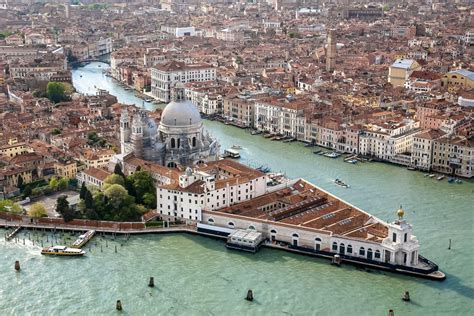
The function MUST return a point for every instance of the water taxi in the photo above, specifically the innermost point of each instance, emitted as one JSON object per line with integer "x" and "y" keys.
{"x": 440, "y": 178}
{"x": 236, "y": 147}
{"x": 62, "y": 251}
{"x": 231, "y": 153}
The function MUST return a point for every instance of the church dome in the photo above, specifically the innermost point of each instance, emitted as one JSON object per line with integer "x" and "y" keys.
{"x": 180, "y": 113}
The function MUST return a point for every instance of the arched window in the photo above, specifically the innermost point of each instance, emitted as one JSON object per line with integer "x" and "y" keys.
{"x": 334, "y": 246}
{"x": 369, "y": 253}
{"x": 194, "y": 141}
{"x": 318, "y": 239}
{"x": 349, "y": 248}
{"x": 295, "y": 235}
{"x": 179, "y": 142}
{"x": 377, "y": 254}
{"x": 362, "y": 251}
{"x": 273, "y": 231}
{"x": 173, "y": 143}
{"x": 210, "y": 221}
{"x": 231, "y": 224}
{"x": 251, "y": 227}
{"x": 172, "y": 164}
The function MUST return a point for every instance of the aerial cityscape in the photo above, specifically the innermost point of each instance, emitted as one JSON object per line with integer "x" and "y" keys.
{"x": 236, "y": 157}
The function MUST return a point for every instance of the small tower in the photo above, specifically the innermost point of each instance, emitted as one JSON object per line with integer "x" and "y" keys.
{"x": 401, "y": 246}
{"x": 331, "y": 51}
{"x": 124, "y": 130}
{"x": 136, "y": 138}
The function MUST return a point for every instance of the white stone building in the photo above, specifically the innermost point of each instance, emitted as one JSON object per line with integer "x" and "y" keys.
{"x": 164, "y": 76}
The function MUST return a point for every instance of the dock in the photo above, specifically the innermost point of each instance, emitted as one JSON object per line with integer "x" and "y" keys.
{"x": 12, "y": 234}
{"x": 83, "y": 239}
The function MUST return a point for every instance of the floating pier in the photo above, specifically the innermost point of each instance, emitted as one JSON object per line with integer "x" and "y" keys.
{"x": 13, "y": 233}
{"x": 83, "y": 239}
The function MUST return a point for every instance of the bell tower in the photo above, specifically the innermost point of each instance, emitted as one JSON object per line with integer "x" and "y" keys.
{"x": 124, "y": 130}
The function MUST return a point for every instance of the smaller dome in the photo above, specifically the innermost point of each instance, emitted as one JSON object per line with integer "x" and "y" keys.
{"x": 400, "y": 212}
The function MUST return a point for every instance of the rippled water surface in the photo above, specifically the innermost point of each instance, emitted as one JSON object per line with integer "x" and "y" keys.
{"x": 198, "y": 276}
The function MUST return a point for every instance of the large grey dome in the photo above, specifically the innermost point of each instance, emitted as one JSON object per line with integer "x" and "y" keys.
{"x": 180, "y": 113}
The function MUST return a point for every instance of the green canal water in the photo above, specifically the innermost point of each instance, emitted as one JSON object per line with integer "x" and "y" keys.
{"x": 198, "y": 276}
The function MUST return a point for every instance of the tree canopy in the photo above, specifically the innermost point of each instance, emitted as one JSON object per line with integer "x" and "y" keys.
{"x": 10, "y": 206}
{"x": 55, "y": 92}
{"x": 37, "y": 210}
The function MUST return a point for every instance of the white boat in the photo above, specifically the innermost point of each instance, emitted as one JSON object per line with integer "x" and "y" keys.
{"x": 332, "y": 154}
{"x": 62, "y": 251}
{"x": 440, "y": 178}
{"x": 236, "y": 147}
{"x": 231, "y": 153}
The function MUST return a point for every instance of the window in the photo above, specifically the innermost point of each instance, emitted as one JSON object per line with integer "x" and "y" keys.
{"x": 210, "y": 221}
{"x": 334, "y": 246}
{"x": 295, "y": 235}
{"x": 405, "y": 237}
{"x": 394, "y": 237}
{"x": 251, "y": 227}
{"x": 231, "y": 224}
{"x": 377, "y": 254}
{"x": 273, "y": 231}
{"x": 349, "y": 248}
{"x": 362, "y": 251}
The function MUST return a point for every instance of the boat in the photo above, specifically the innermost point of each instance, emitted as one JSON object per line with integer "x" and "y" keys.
{"x": 411, "y": 168}
{"x": 458, "y": 181}
{"x": 317, "y": 152}
{"x": 341, "y": 183}
{"x": 309, "y": 144}
{"x": 236, "y": 147}
{"x": 440, "y": 178}
{"x": 352, "y": 161}
{"x": 332, "y": 154}
{"x": 255, "y": 132}
{"x": 83, "y": 239}
{"x": 62, "y": 251}
{"x": 432, "y": 175}
{"x": 231, "y": 153}
{"x": 148, "y": 100}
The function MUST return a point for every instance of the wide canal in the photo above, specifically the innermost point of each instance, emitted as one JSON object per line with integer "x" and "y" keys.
{"x": 198, "y": 276}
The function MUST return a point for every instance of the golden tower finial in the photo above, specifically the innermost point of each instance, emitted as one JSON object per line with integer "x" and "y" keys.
{"x": 400, "y": 212}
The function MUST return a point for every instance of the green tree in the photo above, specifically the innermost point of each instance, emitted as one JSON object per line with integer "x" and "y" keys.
{"x": 149, "y": 200}
{"x": 56, "y": 131}
{"x": 118, "y": 197}
{"x": 118, "y": 169}
{"x": 53, "y": 183}
{"x": 55, "y": 92}
{"x": 63, "y": 208}
{"x": 113, "y": 179}
{"x": 88, "y": 200}
{"x": 142, "y": 183}
{"x": 10, "y": 206}
{"x": 27, "y": 191}
{"x": 20, "y": 182}
{"x": 62, "y": 183}
{"x": 37, "y": 210}
{"x": 82, "y": 194}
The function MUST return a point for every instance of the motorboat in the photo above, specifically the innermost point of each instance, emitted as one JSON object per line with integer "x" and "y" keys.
{"x": 332, "y": 154}
{"x": 341, "y": 183}
{"x": 236, "y": 147}
{"x": 62, "y": 251}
